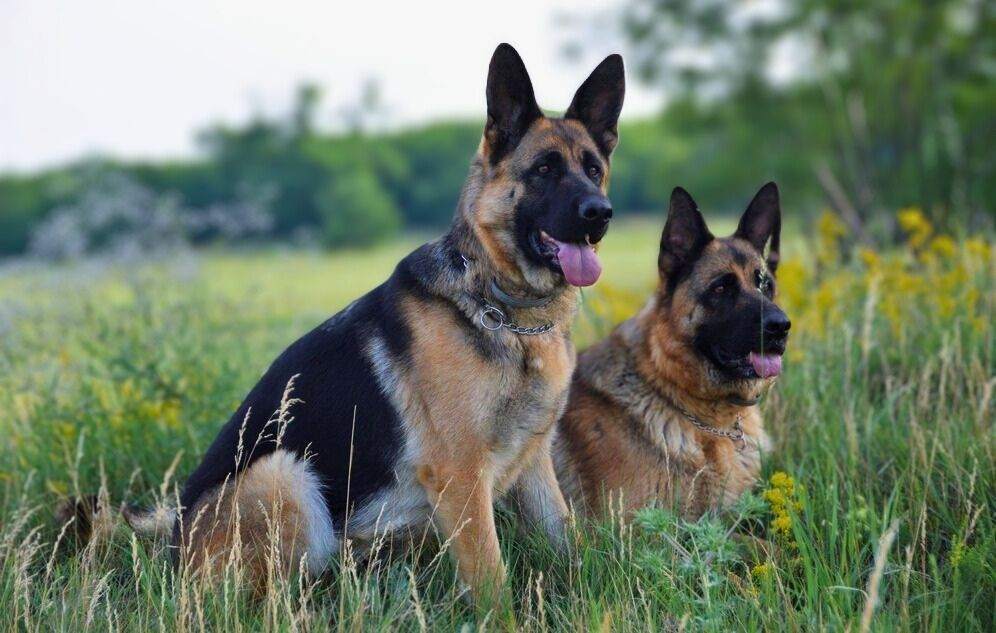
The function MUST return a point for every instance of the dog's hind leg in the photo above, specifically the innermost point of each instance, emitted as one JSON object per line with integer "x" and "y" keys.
{"x": 269, "y": 521}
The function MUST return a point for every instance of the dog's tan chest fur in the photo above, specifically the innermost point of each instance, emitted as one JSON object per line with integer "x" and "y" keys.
{"x": 622, "y": 443}
{"x": 469, "y": 419}
{"x": 460, "y": 402}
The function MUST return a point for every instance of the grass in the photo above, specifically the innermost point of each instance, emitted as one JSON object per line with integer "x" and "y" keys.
{"x": 877, "y": 502}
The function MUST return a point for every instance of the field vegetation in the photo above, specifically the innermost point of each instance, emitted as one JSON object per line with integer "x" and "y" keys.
{"x": 876, "y": 511}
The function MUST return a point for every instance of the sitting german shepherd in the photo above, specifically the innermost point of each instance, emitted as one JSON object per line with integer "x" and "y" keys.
{"x": 440, "y": 389}
{"x": 664, "y": 411}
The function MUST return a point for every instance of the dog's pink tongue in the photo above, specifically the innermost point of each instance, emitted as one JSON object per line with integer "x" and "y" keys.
{"x": 579, "y": 262}
{"x": 766, "y": 365}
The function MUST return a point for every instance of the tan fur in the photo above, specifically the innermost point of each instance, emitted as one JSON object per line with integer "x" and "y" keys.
{"x": 156, "y": 522}
{"x": 624, "y": 444}
{"x": 257, "y": 525}
{"x": 466, "y": 456}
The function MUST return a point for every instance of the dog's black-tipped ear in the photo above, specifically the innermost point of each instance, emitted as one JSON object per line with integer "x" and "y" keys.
{"x": 762, "y": 221}
{"x": 685, "y": 233}
{"x": 512, "y": 104}
{"x": 598, "y": 102}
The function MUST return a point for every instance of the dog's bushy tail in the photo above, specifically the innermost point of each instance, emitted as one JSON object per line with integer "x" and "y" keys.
{"x": 152, "y": 522}
{"x": 88, "y": 513}
{"x": 85, "y": 515}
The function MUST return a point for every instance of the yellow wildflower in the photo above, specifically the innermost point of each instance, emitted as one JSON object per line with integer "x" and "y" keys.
{"x": 943, "y": 245}
{"x": 916, "y": 226}
{"x": 782, "y": 525}
{"x": 869, "y": 258}
{"x": 978, "y": 248}
{"x": 775, "y": 498}
{"x": 793, "y": 286}
{"x": 946, "y": 307}
{"x": 781, "y": 496}
{"x": 171, "y": 414}
{"x": 761, "y": 572}
{"x": 830, "y": 226}
{"x": 829, "y": 231}
{"x": 783, "y": 481}
{"x": 909, "y": 284}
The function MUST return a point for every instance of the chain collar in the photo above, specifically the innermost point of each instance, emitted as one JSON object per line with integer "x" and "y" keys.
{"x": 736, "y": 435}
{"x": 494, "y": 318}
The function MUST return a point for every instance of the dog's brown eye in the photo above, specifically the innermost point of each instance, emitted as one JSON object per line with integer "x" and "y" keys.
{"x": 720, "y": 289}
{"x": 543, "y": 170}
{"x": 763, "y": 282}
{"x": 594, "y": 172}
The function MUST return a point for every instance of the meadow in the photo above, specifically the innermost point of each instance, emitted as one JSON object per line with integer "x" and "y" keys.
{"x": 876, "y": 510}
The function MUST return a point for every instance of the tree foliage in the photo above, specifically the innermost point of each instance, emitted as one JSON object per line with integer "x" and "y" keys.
{"x": 356, "y": 211}
{"x": 878, "y": 105}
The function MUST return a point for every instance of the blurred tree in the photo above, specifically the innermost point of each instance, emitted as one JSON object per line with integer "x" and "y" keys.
{"x": 368, "y": 112}
{"x": 356, "y": 211}
{"x": 309, "y": 97}
{"x": 114, "y": 216}
{"x": 437, "y": 158}
{"x": 884, "y": 104}
{"x": 277, "y": 168}
{"x": 20, "y": 209}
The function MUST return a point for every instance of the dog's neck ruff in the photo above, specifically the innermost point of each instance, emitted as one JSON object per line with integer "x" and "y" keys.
{"x": 735, "y": 434}
{"x": 494, "y": 318}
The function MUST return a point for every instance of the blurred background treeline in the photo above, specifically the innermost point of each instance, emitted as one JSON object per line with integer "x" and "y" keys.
{"x": 853, "y": 107}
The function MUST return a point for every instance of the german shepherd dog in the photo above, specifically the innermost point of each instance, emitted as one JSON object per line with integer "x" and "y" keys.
{"x": 664, "y": 411}
{"x": 426, "y": 399}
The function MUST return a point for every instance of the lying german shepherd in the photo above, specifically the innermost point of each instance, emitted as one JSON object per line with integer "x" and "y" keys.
{"x": 664, "y": 411}
{"x": 440, "y": 389}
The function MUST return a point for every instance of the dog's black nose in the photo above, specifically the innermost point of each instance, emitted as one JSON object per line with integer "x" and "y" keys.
{"x": 776, "y": 324}
{"x": 595, "y": 208}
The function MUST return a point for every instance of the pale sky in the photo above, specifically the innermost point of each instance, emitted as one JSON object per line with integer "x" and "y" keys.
{"x": 137, "y": 78}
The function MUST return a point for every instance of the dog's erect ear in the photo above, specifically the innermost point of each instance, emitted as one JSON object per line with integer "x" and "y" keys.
{"x": 762, "y": 221}
{"x": 685, "y": 233}
{"x": 598, "y": 102}
{"x": 512, "y": 105}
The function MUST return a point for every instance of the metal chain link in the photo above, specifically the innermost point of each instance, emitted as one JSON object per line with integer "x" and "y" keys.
{"x": 493, "y": 319}
{"x": 736, "y": 435}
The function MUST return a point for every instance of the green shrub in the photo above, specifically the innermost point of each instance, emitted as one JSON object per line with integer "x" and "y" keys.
{"x": 356, "y": 211}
